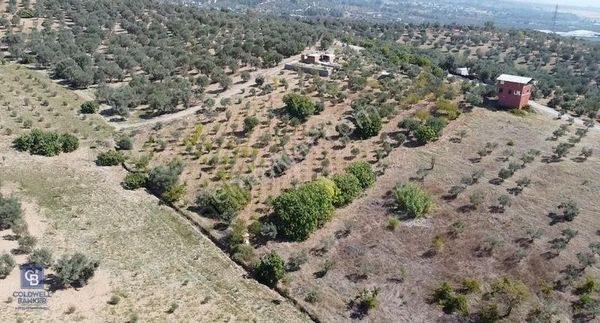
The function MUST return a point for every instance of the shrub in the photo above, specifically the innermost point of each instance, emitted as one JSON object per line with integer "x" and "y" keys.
{"x": 110, "y": 158}
{"x": 447, "y": 108}
{"x": 367, "y": 300}
{"x": 69, "y": 142}
{"x": 270, "y": 269}
{"x": 296, "y": 260}
{"x": 349, "y": 188}
{"x": 41, "y": 257}
{"x": 444, "y": 295}
{"x": 7, "y": 263}
{"x": 393, "y": 224}
{"x": 163, "y": 177}
{"x": 173, "y": 194}
{"x": 133, "y": 181}
{"x": 229, "y": 198}
{"x": 90, "y": 107}
{"x": 425, "y": 134}
{"x": 411, "y": 199}
{"x": 25, "y": 13}
{"x": 26, "y": 243}
{"x": 249, "y": 124}
{"x": 313, "y": 296}
{"x": 363, "y": 171}
{"x": 300, "y": 211}
{"x": 299, "y": 106}
{"x": 471, "y": 285}
{"x": 367, "y": 123}
{"x": 74, "y": 270}
{"x": 124, "y": 143}
{"x": 10, "y": 211}
{"x": 410, "y": 124}
{"x": 39, "y": 142}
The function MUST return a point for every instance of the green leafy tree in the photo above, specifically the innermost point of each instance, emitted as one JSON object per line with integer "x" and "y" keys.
{"x": 302, "y": 210}
{"x": 299, "y": 106}
{"x": 164, "y": 177}
{"x": 367, "y": 123}
{"x": 270, "y": 269}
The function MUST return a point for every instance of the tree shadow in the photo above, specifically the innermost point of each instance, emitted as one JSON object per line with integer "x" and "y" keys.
{"x": 496, "y": 181}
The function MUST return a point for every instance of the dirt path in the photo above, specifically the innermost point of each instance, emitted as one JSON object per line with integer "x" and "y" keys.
{"x": 233, "y": 90}
{"x": 549, "y": 111}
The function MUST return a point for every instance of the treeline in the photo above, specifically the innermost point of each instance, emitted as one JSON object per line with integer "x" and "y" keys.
{"x": 183, "y": 48}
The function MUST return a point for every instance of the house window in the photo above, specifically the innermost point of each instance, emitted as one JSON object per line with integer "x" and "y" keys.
{"x": 517, "y": 92}
{"x": 501, "y": 90}
{"x": 509, "y": 91}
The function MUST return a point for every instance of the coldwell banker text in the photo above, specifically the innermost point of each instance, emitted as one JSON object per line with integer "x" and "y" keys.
{"x": 32, "y": 294}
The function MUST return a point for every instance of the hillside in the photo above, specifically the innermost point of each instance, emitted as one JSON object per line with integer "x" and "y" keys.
{"x": 341, "y": 166}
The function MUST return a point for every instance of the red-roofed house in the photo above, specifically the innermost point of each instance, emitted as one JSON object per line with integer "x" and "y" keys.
{"x": 514, "y": 91}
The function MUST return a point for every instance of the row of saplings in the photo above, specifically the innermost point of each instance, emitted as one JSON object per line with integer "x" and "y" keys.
{"x": 74, "y": 270}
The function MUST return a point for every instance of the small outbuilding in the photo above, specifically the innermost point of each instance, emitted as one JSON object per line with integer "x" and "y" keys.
{"x": 514, "y": 91}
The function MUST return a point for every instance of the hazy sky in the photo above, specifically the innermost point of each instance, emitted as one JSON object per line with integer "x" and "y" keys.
{"x": 592, "y": 3}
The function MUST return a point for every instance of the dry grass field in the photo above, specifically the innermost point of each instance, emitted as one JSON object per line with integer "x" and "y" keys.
{"x": 368, "y": 254}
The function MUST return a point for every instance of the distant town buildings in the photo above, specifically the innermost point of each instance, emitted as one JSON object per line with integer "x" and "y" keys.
{"x": 514, "y": 91}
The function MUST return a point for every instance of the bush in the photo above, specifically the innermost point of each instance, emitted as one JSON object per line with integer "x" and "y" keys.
{"x": 249, "y": 124}
{"x": 229, "y": 198}
{"x": 270, "y": 269}
{"x": 69, "y": 142}
{"x": 363, "y": 172}
{"x": 39, "y": 142}
{"x": 296, "y": 260}
{"x": 124, "y": 143}
{"x": 74, "y": 270}
{"x": 367, "y": 123}
{"x": 162, "y": 178}
{"x": 7, "y": 263}
{"x": 25, "y": 13}
{"x": 444, "y": 295}
{"x": 410, "y": 124}
{"x": 447, "y": 108}
{"x": 302, "y": 210}
{"x": 26, "y": 243}
{"x": 133, "y": 181}
{"x": 10, "y": 211}
{"x": 425, "y": 134}
{"x": 299, "y": 106}
{"x": 411, "y": 199}
{"x": 90, "y": 107}
{"x": 349, "y": 188}
{"x": 367, "y": 300}
{"x": 110, "y": 158}
{"x": 41, "y": 257}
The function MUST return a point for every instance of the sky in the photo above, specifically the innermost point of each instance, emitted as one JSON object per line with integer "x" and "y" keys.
{"x": 588, "y": 3}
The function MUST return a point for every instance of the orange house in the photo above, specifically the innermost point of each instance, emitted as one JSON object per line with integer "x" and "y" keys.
{"x": 514, "y": 91}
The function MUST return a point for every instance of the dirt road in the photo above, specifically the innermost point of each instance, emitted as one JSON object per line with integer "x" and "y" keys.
{"x": 551, "y": 112}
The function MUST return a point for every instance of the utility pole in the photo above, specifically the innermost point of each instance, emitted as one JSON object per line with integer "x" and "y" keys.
{"x": 554, "y": 19}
